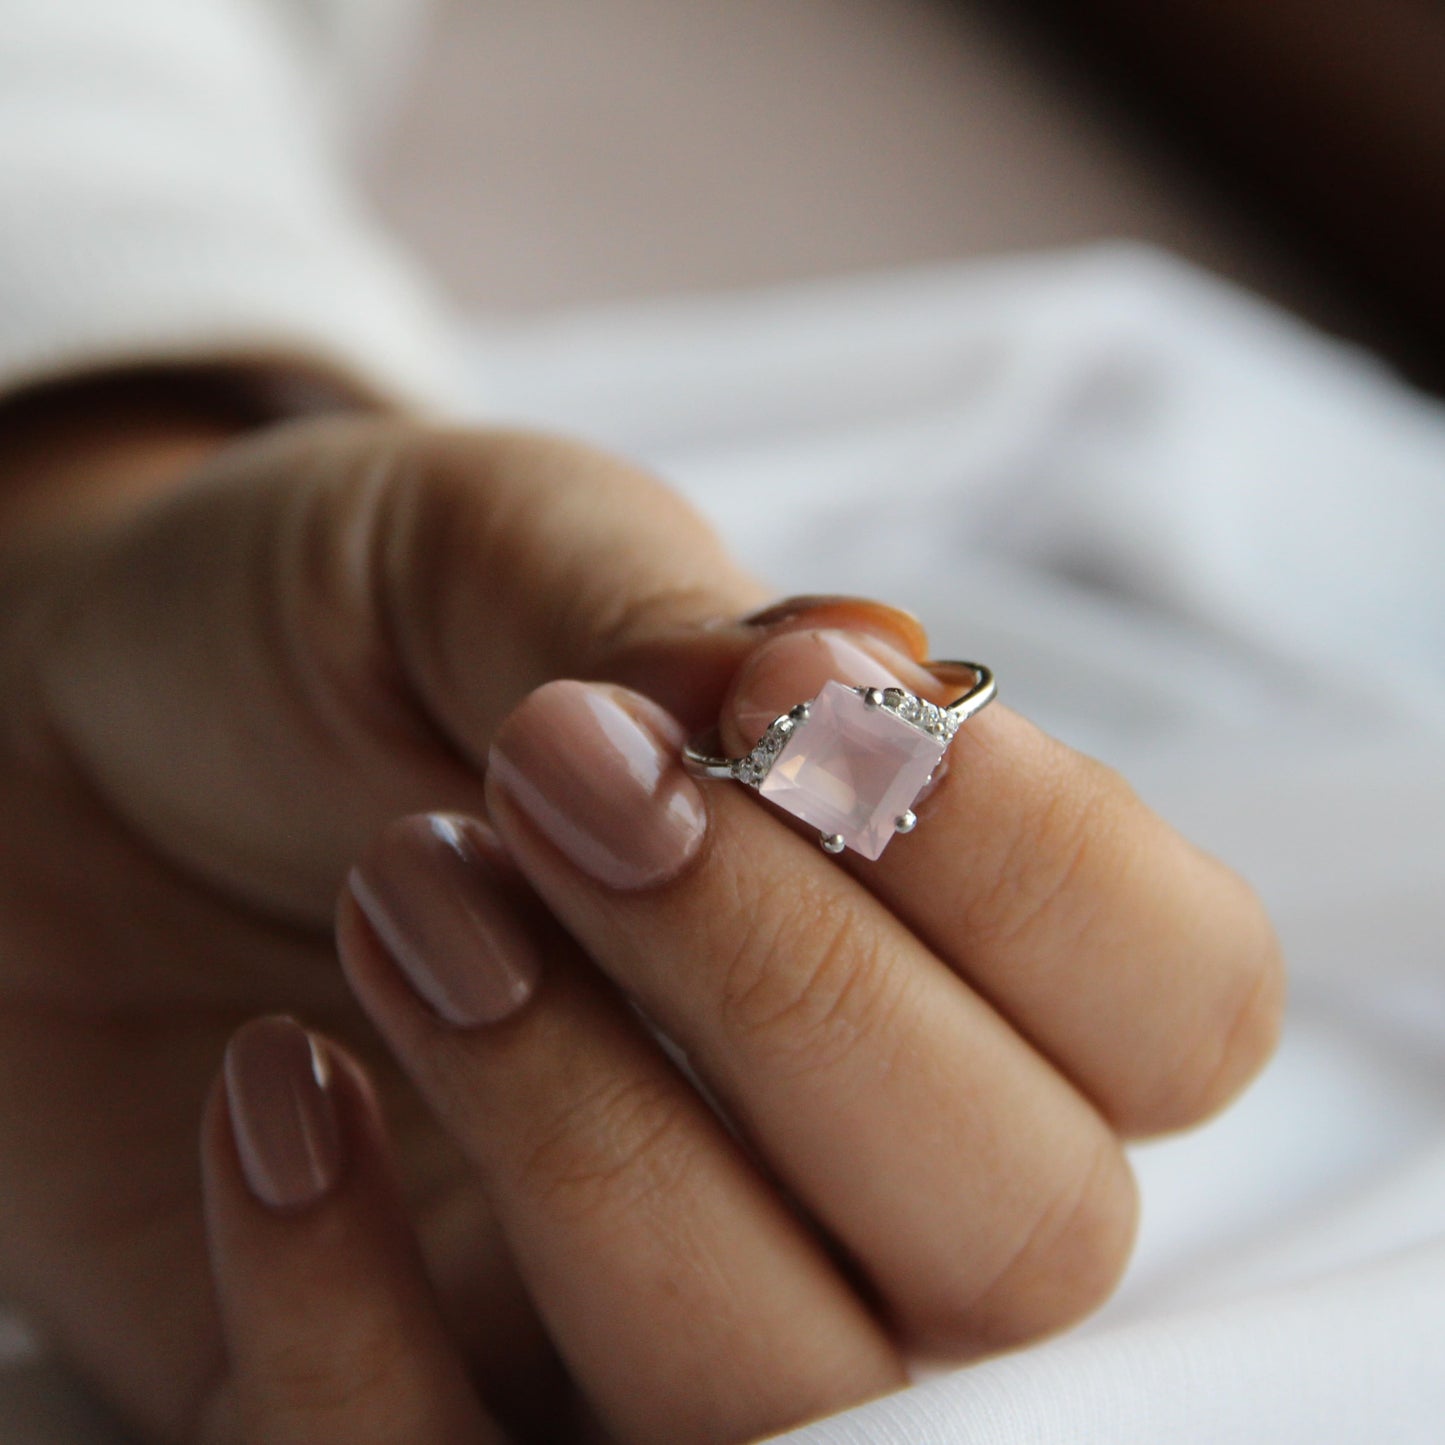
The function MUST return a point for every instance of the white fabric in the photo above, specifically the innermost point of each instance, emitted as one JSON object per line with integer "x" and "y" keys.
{"x": 171, "y": 188}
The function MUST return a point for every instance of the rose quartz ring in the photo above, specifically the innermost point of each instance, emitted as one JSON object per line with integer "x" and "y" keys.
{"x": 854, "y": 760}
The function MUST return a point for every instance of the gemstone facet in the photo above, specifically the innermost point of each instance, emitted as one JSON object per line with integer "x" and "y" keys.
{"x": 852, "y": 768}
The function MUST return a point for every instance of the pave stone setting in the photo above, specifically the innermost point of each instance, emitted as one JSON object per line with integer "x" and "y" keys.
{"x": 852, "y": 762}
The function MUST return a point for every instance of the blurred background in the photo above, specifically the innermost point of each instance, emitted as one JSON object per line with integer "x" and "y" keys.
{"x": 550, "y": 153}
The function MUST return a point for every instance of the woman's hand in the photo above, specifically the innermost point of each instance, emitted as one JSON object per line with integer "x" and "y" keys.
{"x": 211, "y": 703}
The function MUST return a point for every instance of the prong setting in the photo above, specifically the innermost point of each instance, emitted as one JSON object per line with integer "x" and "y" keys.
{"x": 855, "y": 777}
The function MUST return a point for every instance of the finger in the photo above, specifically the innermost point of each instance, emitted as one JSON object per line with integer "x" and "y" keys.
{"x": 320, "y": 633}
{"x": 688, "y": 1301}
{"x": 331, "y": 1334}
{"x": 983, "y": 1196}
{"x": 1147, "y": 969}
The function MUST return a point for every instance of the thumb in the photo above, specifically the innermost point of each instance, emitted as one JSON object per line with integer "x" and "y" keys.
{"x": 518, "y": 558}
{"x": 322, "y": 630}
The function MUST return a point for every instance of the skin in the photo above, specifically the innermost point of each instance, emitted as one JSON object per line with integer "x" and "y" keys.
{"x": 227, "y": 662}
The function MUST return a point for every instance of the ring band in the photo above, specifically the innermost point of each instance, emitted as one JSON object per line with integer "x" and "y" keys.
{"x": 853, "y": 761}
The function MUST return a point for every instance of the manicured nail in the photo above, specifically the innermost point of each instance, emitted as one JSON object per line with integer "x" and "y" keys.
{"x": 278, "y": 1091}
{"x": 433, "y": 895}
{"x": 790, "y": 669}
{"x": 846, "y": 614}
{"x": 597, "y": 771}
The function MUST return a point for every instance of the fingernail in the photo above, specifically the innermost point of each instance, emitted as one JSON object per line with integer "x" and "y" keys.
{"x": 790, "y": 669}
{"x": 847, "y": 614}
{"x": 443, "y": 911}
{"x": 277, "y": 1084}
{"x": 688, "y": 671}
{"x": 597, "y": 771}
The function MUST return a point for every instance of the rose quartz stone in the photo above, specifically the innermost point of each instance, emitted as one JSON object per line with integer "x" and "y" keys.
{"x": 852, "y": 769}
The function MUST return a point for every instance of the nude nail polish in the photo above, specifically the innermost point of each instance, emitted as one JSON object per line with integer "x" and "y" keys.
{"x": 839, "y": 613}
{"x": 283, "y": 1119}
{"x": 597, "y": 771}
{"x": 432, "y": 888}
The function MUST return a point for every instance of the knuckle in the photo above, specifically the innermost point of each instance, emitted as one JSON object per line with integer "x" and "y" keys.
{"x": 330, "y": 1380}
{"x": 1065, "y": 1262}
{"x": 610, "y": 1147}
{"x": 396, "y": 540}
{"x": 806, "y": 981}
{"x": 609, "y": 624}
{"x": 422, "y": 534}
{"x": 548, "y": 533}
{"x": 1239, "y": 1036}
{"x": 554, "y": 503}
{"x": 355, "y": 509}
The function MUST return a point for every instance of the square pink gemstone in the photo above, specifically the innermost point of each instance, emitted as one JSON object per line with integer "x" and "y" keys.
{"x": 852, "y": 769}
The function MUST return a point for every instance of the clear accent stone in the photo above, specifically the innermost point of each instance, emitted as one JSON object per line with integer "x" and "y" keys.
{"x": 753, "y": 768}
{"x": 936, "y": 721}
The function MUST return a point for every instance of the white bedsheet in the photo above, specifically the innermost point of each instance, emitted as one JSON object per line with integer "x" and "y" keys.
{"x": 1208, "y": 545}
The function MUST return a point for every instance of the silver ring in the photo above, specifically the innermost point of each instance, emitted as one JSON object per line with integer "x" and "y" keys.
{"x": 852, "y": 761}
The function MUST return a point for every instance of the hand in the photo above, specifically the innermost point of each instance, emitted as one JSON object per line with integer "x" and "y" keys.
{"x": 928, "y": 1061}
{"x": 210, "y": 700}
{"x": 213, "y": 702}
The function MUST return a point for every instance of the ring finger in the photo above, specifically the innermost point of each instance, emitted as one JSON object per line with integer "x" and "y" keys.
{"x": 1147, "y": 969}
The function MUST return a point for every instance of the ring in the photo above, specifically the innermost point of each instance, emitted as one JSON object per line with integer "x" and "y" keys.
{"x": 853, "y": 761}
